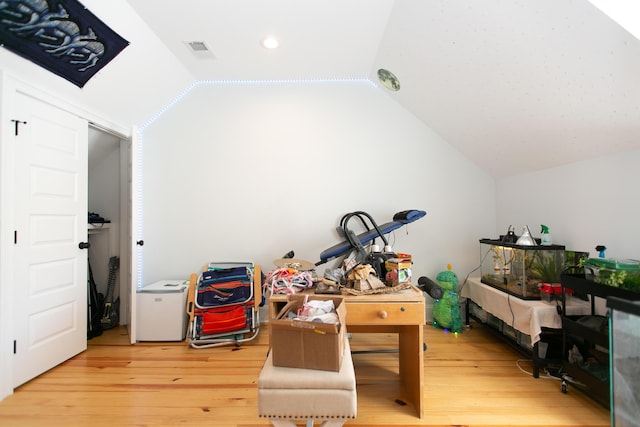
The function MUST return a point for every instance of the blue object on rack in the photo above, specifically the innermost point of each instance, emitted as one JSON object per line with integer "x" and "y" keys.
{"x": 400, "y": 219}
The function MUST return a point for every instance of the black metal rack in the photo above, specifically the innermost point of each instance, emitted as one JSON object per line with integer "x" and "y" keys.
{"x": 590, "y": 376}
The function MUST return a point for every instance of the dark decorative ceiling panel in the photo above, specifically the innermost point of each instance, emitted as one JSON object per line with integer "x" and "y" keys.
{"x": 60, "y": 35}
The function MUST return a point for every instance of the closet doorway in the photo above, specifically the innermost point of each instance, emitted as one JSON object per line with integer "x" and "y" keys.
{"x": 108, "y": 198}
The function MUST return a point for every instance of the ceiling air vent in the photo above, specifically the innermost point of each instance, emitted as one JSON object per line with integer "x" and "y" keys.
{"x": 200, "y": 49}
{"x": 198, "y": 46}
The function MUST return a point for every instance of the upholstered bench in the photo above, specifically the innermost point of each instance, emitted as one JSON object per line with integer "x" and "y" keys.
{"x": 289, "y": 394}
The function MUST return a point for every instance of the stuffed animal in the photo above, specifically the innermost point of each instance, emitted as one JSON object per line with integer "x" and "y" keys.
{"x": 446, "y": 310}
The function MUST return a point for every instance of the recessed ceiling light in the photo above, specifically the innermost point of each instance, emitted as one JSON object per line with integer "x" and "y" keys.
{"x": 270, "y": 43}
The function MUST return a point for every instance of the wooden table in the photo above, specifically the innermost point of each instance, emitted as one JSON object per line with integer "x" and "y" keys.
{"x": 527, "y": 316}
{"x": 399, "y": 312}
{"x": 531, "y": 317}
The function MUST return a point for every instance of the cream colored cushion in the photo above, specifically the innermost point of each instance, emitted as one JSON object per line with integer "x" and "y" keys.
{"x": 307, "y": 393}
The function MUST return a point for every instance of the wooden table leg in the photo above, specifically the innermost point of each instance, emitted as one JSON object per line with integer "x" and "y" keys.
{"x": 411, "y": 359}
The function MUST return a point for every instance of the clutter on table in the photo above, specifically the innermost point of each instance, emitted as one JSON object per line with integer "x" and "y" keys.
{"x": 288, "y": 280}
{"x": 365, "y": 268}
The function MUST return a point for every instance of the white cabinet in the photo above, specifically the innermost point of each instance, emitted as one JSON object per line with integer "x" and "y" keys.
{"x": 161, "y": 313}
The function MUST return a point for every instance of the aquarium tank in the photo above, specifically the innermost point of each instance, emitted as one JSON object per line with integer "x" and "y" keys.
{"x": 519, "y": 270}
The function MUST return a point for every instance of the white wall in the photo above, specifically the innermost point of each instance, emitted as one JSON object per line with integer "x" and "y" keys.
{"x": 251, "y": 171}
{"x": 585, "y": 204}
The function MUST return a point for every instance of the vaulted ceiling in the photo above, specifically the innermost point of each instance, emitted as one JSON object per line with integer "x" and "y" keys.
{"x": 515, "y": 85}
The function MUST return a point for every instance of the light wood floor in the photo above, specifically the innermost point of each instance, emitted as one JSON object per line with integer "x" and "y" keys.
{"x": 470, "y": 380}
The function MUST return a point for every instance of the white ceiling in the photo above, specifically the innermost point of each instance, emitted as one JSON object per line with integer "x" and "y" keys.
{"x": 516, "y": 85}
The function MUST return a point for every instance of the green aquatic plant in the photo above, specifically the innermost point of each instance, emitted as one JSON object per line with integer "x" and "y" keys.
{"x": 545, "y": 268}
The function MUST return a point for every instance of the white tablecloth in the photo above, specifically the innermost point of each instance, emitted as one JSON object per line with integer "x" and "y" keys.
{"x": 526, "y": 316}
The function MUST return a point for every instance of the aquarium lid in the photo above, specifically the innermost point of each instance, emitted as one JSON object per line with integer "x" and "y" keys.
{"x": 614, "y": 264}
{"x": 497, "y": 242}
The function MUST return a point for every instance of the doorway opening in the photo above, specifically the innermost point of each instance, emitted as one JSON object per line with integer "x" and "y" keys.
{"x": 108, "y": 200}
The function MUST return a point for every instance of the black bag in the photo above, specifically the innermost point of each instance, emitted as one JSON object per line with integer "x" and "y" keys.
{"x": 94, "y": 309}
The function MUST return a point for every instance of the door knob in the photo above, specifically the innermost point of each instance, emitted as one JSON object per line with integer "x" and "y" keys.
{"x": 84, "y": 245}
{"x": 140, "y": 243}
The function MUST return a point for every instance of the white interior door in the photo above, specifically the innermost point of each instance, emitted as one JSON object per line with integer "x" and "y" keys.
{"x": 125, "y": 231}
{"x": 135, "y": 237}
{"x": 50, "y": 283}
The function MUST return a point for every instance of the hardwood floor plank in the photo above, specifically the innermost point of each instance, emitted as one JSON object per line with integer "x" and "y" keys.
{"x": 470, "y": 380}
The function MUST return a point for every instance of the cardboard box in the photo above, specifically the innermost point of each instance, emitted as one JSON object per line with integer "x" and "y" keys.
{"x": 398, "y": 270}
{"x": 398, "y": 263}
{"x": 308, "y": 345}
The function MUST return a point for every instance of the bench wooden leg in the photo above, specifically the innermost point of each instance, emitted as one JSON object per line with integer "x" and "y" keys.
{"x": 291, "y": 423}
{"x": 333, "y": 423}
{"x": 282, "y": 423}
